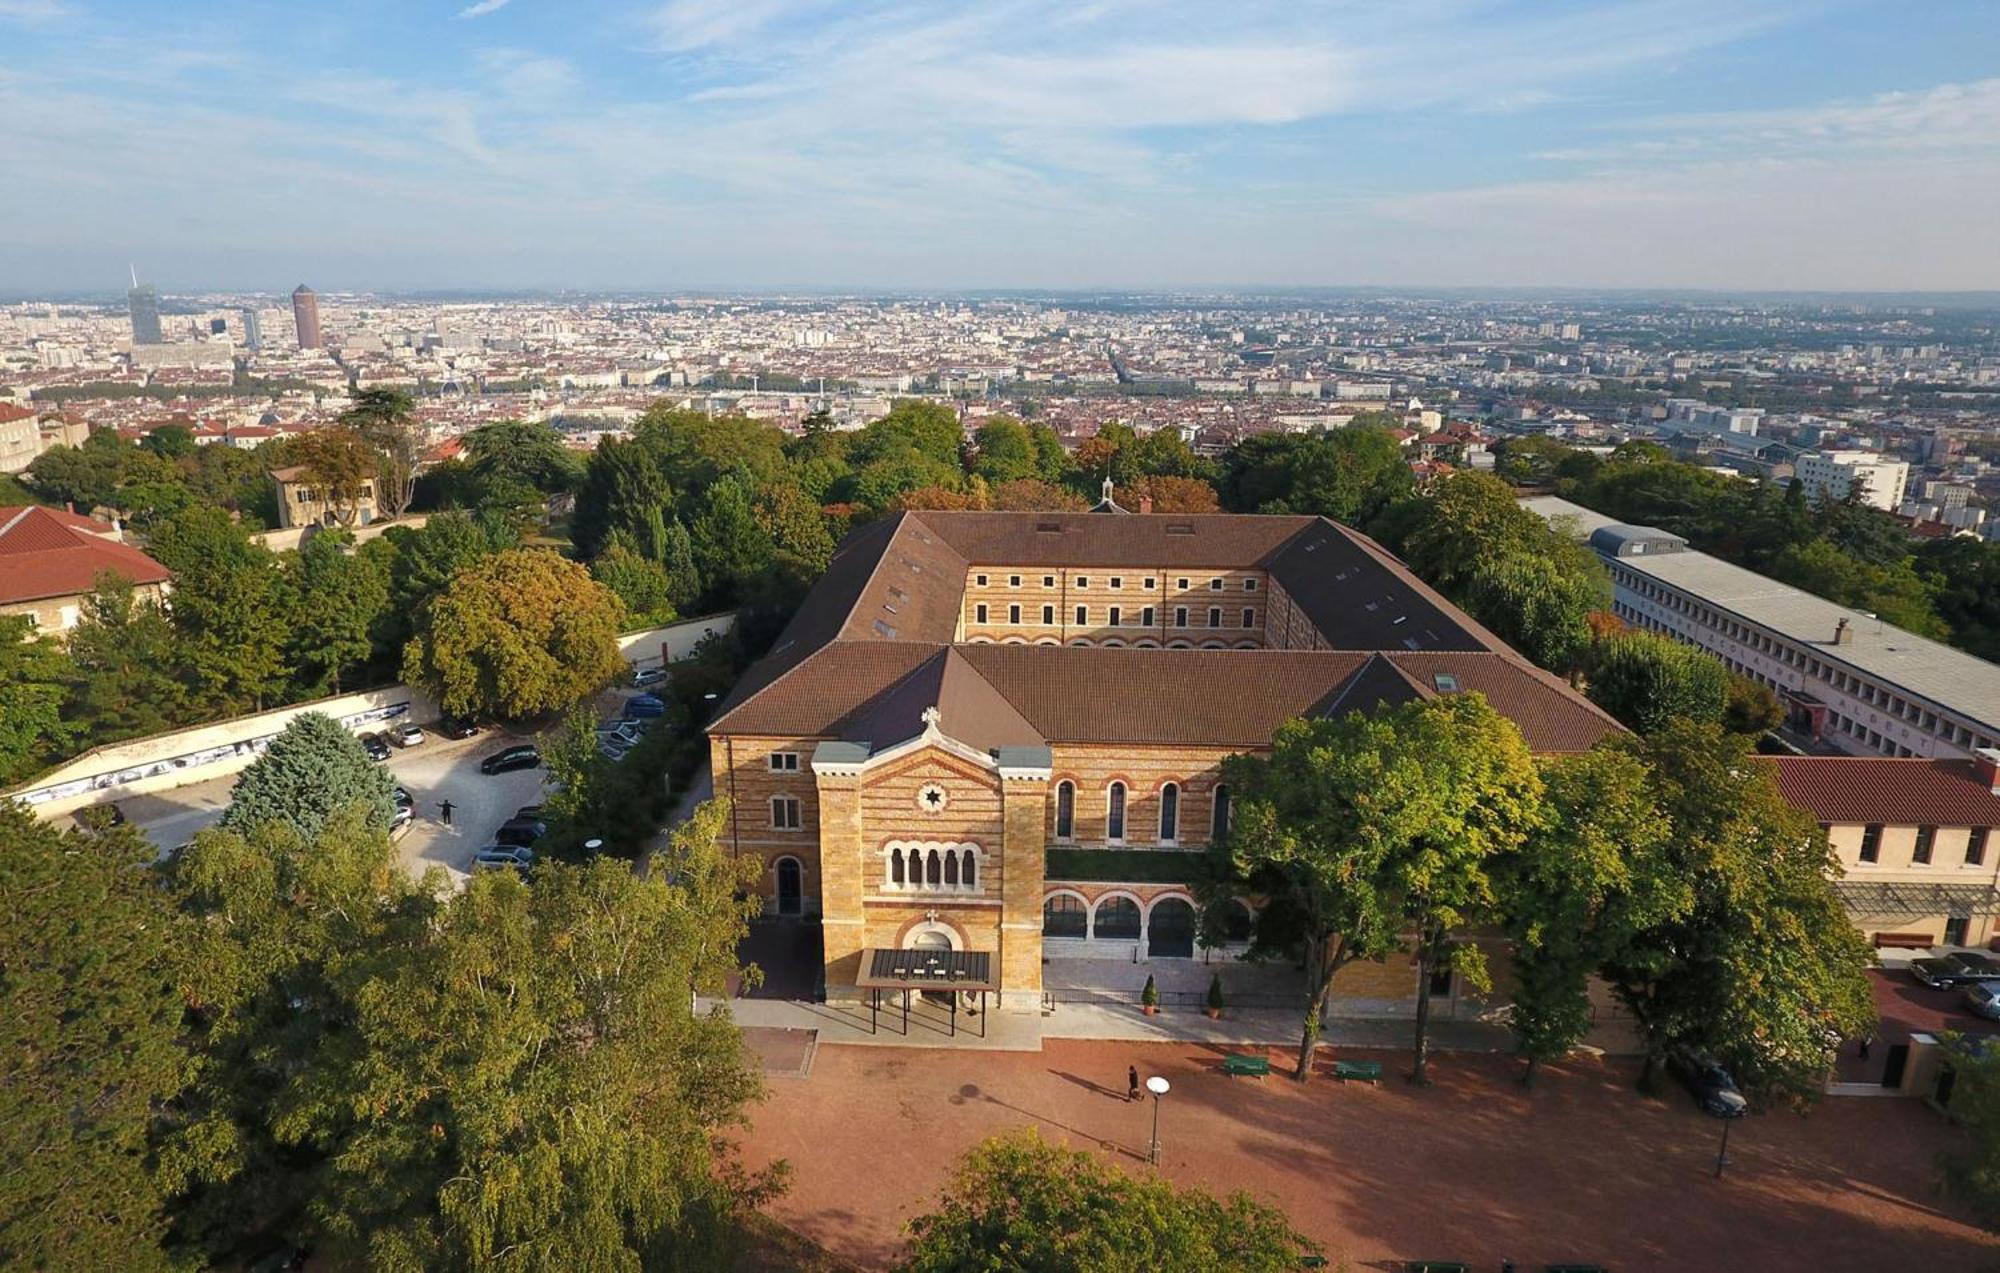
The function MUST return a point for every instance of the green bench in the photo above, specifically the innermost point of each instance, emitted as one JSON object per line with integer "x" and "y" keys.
{"x": 1360, "y": 1072}
{"x": 1249, "y": 1066}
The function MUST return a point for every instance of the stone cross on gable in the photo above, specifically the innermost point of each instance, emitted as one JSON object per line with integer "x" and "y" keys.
{"x": 1107, "y": 490}
{"x": 932, "y": 717}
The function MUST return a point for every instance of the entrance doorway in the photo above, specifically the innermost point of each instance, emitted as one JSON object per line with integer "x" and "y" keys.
{"x": 791, "y": 895}
{"x": 1170, "y": 930}
{"x": 932, "y": 939}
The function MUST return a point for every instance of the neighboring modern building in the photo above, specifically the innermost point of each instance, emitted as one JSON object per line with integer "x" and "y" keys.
{"x": 305, "y": 313}
{"x": 253, "y": 330}
{"x": 50, "y": 562}
{"x": 20, "y": 437}
{"x": 144, "y": 304}
{"x": 1872, "y": 478}
{"x": 989, "y": 740}
{"x": 1917, "y": 839}
{"x": 1848, "y": 680}
{"x": 301, "y": 502}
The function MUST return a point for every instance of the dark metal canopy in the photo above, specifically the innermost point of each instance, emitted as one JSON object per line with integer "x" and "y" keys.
{"x": 1911, "y": 900}
{"x": 928, "y": 969}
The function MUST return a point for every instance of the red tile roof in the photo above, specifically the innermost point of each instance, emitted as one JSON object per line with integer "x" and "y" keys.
{"x": 10, "y": 413}
{"x": 1864, "y": 789}
{"x": 46, "y": 553}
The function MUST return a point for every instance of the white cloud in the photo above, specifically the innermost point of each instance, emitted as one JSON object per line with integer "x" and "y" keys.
{"x": 482, "y": 8}
{"x": 684, "y": 25}
{"x": 32, "y": 12}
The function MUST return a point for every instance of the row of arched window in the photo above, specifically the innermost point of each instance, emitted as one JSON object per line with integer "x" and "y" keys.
{"x": 1115, "y": 797}
{"x": 1117, "y": 918}
{"x": 931, "y": 867}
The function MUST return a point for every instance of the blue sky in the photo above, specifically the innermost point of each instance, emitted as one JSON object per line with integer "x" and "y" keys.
{"x": 1015, "y": 143}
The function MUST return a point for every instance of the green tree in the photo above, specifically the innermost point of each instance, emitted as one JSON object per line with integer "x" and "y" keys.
{"x": 1016, "y": 1202}
{"x": 1647, "y": 680}
{"x": 384, "y": 417}
{"x": 342, "y": 464}
{"x": 312, "y": 772}
{"x": 1348, "y": 475}
{"x": 426, "y": 559}
{"x": 1004, "y": 451}
{"x": 343, "y": 598}
{"x": 171, "y": 441}
{"x": 913, "y": 426}
{"x": 730, "y": 545}
{"x": 1540, "y": 604}
{"x": 1467, "y": 519}
{"x": 624, "y": 485}
{"x": 91, "y": 958}
{"x": 125, "y": 658}
{"x": 1971, "y": 1168}
{"x": 34, "y": 680}
{"x": 684, "y": 582}
{"x": 1751, "y": 707}
{"x": 231, "y": 608}
{"x": 1580, "y": 889}
{"x": 527, "y": 453}
{"x": 796, "y": 528}
{"x": 1034, "y": 495}
{"x": 518, "y": 633}
{"x": 1765, "y": 969}
{"x": 642, "y": 584}
{"x": 535, "y": 1082}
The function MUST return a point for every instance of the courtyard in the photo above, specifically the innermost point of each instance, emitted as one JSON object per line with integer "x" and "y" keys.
{"x": 1475, "y": 1167}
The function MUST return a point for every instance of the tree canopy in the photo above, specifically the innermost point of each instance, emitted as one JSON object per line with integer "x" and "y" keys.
{"x": 313, "y": 772}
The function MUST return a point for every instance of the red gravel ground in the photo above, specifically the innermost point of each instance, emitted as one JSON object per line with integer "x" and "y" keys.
{"x": 1473, "y": 1168}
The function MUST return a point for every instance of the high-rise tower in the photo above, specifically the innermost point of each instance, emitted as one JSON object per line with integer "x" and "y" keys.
{"x": 305, "y": 312}
{"x": 144, "y": 304}
{"x": 253, "y": 329}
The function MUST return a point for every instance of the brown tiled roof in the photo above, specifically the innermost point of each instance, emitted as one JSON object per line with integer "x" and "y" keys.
{"x": 969, "y": 709}
{"x": 812, "y": 696}
{"x": 1361, "y": 598}
{"x": 1189, "y": 541}
{"x": 1864, "y": 789}
{"x": 45, "y": 554}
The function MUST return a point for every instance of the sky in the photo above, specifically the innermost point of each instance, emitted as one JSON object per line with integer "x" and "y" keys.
{"x": 845, "y": 144}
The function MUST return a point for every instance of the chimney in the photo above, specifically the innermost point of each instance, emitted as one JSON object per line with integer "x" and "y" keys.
{"x": 1145, "y": 503}
{"x": 1841, "y": 634}
{"x": 1986, "y": 768}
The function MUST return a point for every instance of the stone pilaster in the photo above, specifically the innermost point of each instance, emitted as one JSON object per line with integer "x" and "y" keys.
{"x": 1024, "y": 789}
{"x": 841, "y": 868}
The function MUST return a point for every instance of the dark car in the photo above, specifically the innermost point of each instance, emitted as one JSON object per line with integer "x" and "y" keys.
{"x": 640, "y": 706}
{"x": 524, "y": 756}
{"x": 401, "y": 795}
{"x": 376, "y": 746}
{"x": 1952, "y": 972}
{"x": 456, "y": 727}
{"x": 1713, "y": 1087}
{"x": 521, "y": 831}
{"x": 529, "y": 811}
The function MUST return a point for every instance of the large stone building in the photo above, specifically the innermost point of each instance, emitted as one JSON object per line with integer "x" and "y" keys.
{"x": 51, "y": 560}
{"x": 1001, "y": 733}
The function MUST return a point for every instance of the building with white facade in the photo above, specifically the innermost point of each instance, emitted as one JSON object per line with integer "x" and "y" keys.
{"x": 1847, "y": 680}
{"x": 1874, "y": 479}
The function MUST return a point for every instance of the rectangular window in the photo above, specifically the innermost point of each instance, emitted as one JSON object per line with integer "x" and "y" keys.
{"x": 1118, "y": 581}
{"x": 1871, "y": 843}
{"x": 1975, "y": 846}
{"x": 1013, "y": 581}
{"x": 785, "y": 813}
{"x": 1149, "y": 584}
{"x": 1048, "y": 581}
{"x": 1083, "y": 581}
{"x": 1013, "y": 614}
{"x": 1249, "y": 585}
{"x": 1114, "y": 822}
{"x": 980, "y": 580}
{"x": 979, "y": 614}
{"x": 1082, "y": 616}
{"x": 1180, "y": 616}
{"x": 1926, "y": 841}
{"x": 1146, "y": 617}
{"x": 1249, "y": 617}
{"x": 1441, "y": 980}
{"x": 784, "y": 762}
{"x": 1181, "y": 584}
{"x": 1115, "y": 615}
{"x": 1048, "y": 616}
{"x": 1215, "y": 585}
{"x": 1215, "y": 616}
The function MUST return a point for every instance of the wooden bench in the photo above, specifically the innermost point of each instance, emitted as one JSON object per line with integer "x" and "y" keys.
{"x": 1358, "y": 1071}
{"x": 1248, "y": 1066}
{"x": 1905, "y": 941}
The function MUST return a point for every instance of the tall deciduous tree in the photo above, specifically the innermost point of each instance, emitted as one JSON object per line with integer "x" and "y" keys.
{"x": 34, "y": 680}
{"x": 126, "y": 660}
{"x": 342, "y": 599}
{"x": 230, "y": 608}
{"x": 624, "y": 486}
{"x": 530, "y": 453}
{"x": 730, "y": 545}
{"x": 1016, "y": 1202}
{"x": 640, "y": 582}
{"x": 1540, "y": 603}
{"x": 313, "y": 772}
{"x": 342, "y": 464}
{"x": 1647, "y": 680}
{"x": 383, "y": 417}
{"x": 91, "y": 957}
{"x": 1971, "y": 1168}
{"x": 519, "y": 633}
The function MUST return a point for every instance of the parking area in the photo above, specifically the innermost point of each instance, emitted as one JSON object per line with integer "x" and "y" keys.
{"x": 434, "y": 771}
{"x": 1906, "y": 1006}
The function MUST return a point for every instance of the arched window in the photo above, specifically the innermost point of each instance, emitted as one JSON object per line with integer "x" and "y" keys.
{"x": 1065, "y": 916}
{"x": 1170, "y": 813}
{"x": 1065, "y": 810}
{"x": 896, "y": 867}
{"x": 1219, "y": 822}
{"x": 1117, "y": 919}
{"x": 1114, "y": 821}
{"x": 1237, "y": 921}
{"x": 969, "y": 874}
{"x": 951, "y": 868}
{"x": 934, "y": 870}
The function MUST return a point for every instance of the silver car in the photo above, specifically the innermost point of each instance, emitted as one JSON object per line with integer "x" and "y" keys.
{"x": 1983, "y": 998}
{"x": 502, "y": 857}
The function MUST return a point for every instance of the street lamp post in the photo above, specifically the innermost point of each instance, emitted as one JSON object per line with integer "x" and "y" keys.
{"x": 1722, "y": 1152}
{"x": 1158, "y": 1087}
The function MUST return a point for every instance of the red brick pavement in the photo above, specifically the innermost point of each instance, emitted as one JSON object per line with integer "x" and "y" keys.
{"x": 1473, "y": 1168}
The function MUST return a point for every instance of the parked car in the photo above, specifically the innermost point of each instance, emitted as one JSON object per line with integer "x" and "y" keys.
{"x": 613, "y": 749}
{"x": 456, "y": 727}
{"x": 377, "y": 749}
{"x": 400, "y": 820}
{"x": 520, "y": 756}
{"x": 406, "y": 734}
{"x": 502, "y": 857}
{"x": 646, "y": 677}
{"x": 1713, "y": 1087}
{"x": 1984, "y": 998}
{"x": 640, "y": 706}
{"x": 529, "y": 811}
{"x": 1950, "y": 972}
{"x": 622, "y": 732}
{"x": 401, "y": 795}
{"x": 521, "y": 831}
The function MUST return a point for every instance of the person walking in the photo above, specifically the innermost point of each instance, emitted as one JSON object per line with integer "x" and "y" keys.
{"x": 445, "y": 809}
{"x": 1131, "y": 1082}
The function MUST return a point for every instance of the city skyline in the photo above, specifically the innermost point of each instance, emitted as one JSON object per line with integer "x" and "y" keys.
{"x": 696, "y": 146}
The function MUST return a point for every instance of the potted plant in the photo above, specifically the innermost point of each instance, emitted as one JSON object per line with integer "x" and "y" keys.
{"x": 1215, "y": 997}
{"x": 1149, "y": 998}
